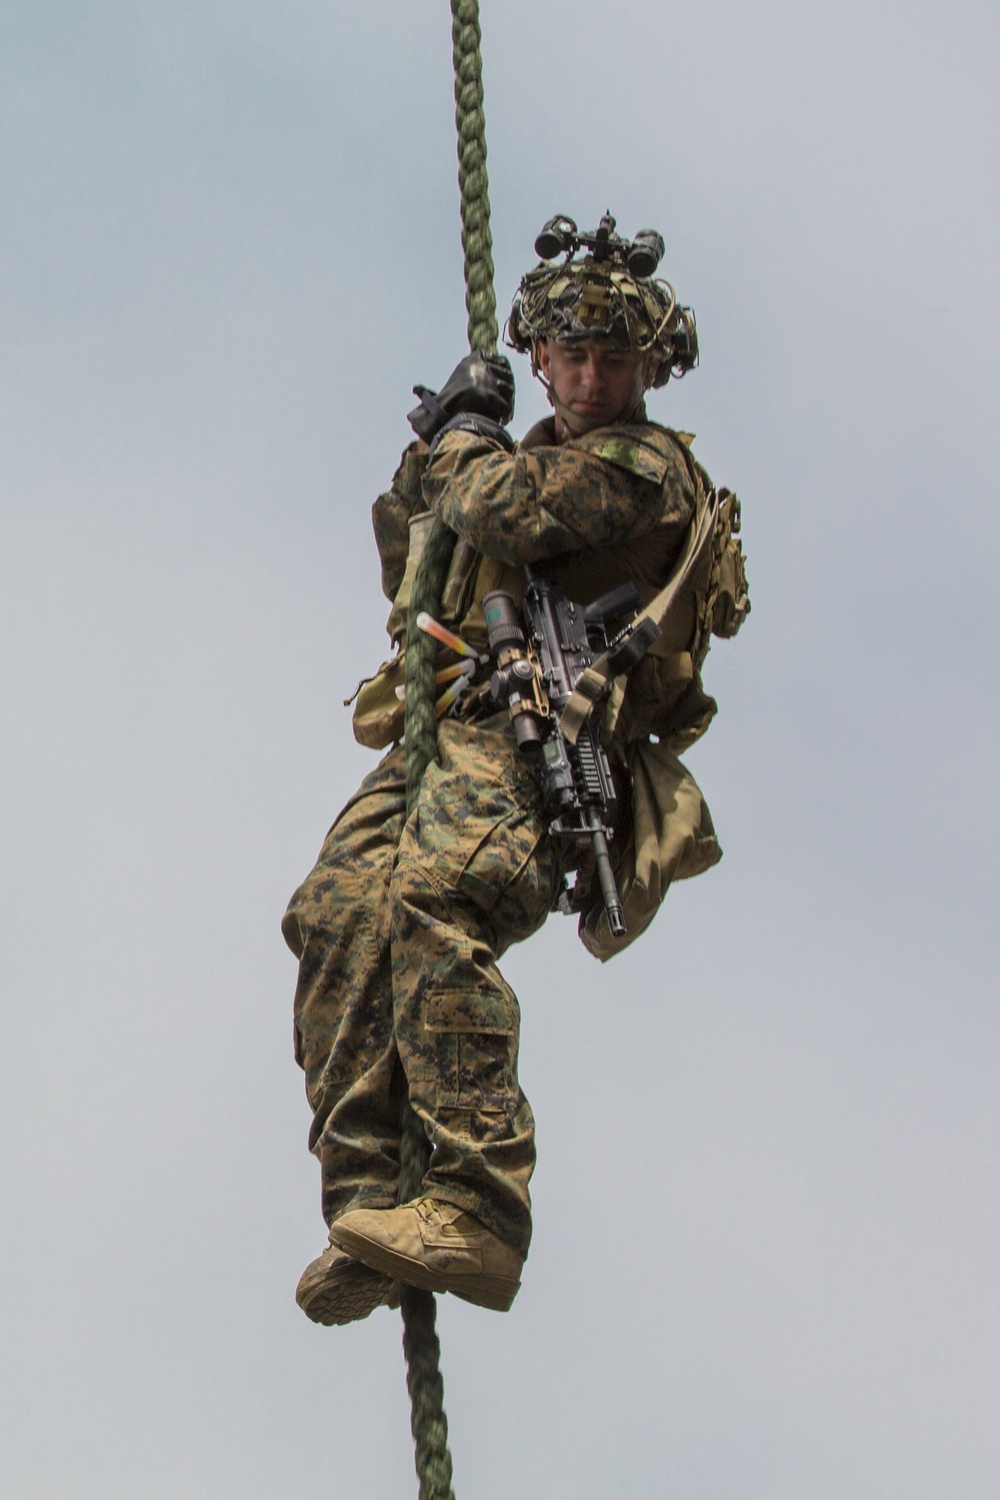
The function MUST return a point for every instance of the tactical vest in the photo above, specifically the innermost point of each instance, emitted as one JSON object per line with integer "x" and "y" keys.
{"x": 663, "y": 696}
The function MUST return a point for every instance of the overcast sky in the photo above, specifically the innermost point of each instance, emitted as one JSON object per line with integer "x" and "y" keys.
{"x": 766, "y": 1208}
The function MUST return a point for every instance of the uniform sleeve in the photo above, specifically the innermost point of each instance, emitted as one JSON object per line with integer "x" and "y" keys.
{"x": 609, "y": 486}
{"x": 391, "y": 516}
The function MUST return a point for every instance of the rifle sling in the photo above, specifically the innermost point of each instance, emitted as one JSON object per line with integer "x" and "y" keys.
{"x": 592, "y": 685}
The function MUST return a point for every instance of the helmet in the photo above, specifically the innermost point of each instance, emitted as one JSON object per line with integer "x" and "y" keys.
{"x": 608, "y": 295}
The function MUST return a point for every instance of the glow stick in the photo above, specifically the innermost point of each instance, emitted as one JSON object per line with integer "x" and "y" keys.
{"x": 430, "y": 626}
{"x": 457, "y": 669}
{"x": 450, "y": 696}
{"x": 464, "y": 669}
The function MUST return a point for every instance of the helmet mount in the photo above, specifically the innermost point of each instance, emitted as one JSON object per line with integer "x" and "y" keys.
{"x": 607, "y": 294}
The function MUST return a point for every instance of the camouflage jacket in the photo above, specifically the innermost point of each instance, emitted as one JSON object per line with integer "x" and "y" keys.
{"x": 627, "y": 501}
{"x": 608, "y": 488}
{"x": 612, "y": 504}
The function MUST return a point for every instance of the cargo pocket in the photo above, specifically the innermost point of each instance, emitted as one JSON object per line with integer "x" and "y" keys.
{"x": 483, "y": 833}
{"x": 475, "y": 1035}
{"x": 512, "y": 875}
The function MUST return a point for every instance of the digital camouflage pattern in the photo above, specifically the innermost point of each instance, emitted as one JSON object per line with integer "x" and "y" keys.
{"x": 400, "y": 925}
{"x": 398, "y": 979}
{"x": 608, "y": 486}
{"x": 603, "y": 489}
{"x": 614, "y": 504}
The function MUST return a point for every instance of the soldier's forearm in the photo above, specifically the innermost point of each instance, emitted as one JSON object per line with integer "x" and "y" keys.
{"x": 523, "y": 507}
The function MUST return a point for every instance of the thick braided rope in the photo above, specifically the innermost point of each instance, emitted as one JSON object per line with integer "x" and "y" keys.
{"x": 470, "y": 122}
{"x": 421, "y": 1346}
{"x": 480, "y": 301}
{"x": 481, "y": 305}
{"x": 421, "y": 656}
{"x": 420, "y": 1342}
{"x": 428, "y": 1422}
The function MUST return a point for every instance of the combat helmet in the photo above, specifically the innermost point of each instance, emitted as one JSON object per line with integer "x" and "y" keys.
{"x": 608, "y": 294}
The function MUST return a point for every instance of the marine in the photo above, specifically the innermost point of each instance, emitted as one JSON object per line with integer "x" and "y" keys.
{"x": 401, "y": 924}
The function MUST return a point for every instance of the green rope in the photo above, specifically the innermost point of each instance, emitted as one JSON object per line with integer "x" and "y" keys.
{"x": 420, "y": 1342}
{"x": 428, "y": 1422}
{"x": 481, "y": 305}
{"x": 421, "y": 656}
{"x": 470, "y": 122}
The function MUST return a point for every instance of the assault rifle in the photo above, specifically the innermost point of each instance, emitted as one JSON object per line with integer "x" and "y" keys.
{"x": 567, "y": 661}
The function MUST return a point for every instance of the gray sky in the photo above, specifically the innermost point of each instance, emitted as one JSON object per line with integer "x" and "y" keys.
{"x": 767, "y": 1212}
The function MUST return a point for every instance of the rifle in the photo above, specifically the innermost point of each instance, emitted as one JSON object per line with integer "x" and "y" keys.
{"x": 536, "y": 675}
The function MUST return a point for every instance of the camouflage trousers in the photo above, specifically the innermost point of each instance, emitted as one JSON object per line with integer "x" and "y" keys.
{"x": 398, "y": 930}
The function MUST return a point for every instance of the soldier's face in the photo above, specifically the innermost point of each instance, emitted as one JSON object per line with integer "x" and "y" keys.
{"x": 596, "y": 383}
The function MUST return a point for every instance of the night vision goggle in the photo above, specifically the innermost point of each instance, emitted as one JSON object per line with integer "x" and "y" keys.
{"x": 609, "y": 293}
{"x": 560, "y": 236}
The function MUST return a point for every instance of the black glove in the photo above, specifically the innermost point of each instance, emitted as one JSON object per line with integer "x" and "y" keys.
{"x": 482, "y": 383}
{"x": 468, "y": 421}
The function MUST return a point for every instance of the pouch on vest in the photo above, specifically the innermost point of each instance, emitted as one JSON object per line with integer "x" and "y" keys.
{"x": 671, "y": 837}
{"x": 457, "y": 584}
{"x": 420, "y": 529}
{"x": 730, "y": 603}
{"x": 664, "y": 695}
{"x": 379, "y": 716}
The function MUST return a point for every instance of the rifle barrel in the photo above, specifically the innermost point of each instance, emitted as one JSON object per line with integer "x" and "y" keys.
{"x": 606, "y": 876}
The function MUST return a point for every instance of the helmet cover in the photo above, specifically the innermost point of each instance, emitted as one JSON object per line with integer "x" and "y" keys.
{"x": 597, "y": 297}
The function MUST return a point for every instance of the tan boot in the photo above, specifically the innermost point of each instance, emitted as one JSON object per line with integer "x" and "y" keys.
{"x": 335, "y": 1289}
{"x": 436, "y": 1246}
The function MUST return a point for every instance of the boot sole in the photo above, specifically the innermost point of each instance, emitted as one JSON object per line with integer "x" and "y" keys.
{"x": 346, "y": 1296}
{"x": 495, "y": 1292}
